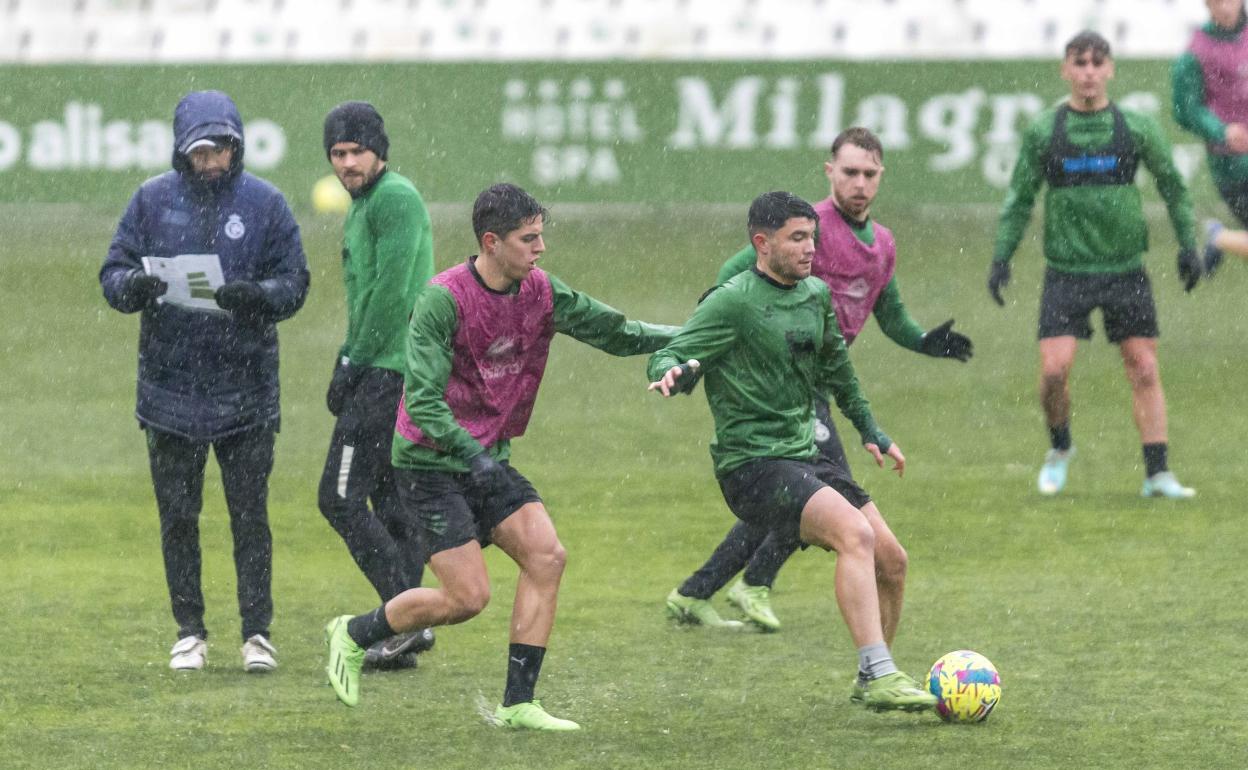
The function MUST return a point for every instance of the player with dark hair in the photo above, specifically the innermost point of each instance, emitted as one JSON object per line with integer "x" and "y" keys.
{"x": 1087, "y": 151}
{"x": 387, "y": 256}
{"x": 855, "y": 256}
{"x": 764, "y": 341}
{"x": 1210, "y": 99}
{"x": 476, "y": 354}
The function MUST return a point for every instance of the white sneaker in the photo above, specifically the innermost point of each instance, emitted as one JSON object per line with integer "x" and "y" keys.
{"x": 1164, "y": 484}
{"x": 259, "y": 655}
{"x": 189, "y": 654}
{"x": 1053, "y": 473}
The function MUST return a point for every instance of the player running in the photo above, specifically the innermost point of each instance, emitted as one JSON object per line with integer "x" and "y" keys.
{"x": 476, "y": 355}
{"x": 766, "y": 340}
{"x": 855, "y": 256}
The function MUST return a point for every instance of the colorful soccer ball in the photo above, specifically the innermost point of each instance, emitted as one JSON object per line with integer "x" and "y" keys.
{"x": 967, "y": 685}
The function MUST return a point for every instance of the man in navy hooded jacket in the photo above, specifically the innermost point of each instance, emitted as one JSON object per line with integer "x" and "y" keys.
{"x": 210, "y": 378}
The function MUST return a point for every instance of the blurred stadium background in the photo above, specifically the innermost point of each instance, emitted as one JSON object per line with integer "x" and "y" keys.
{"x": 647, "y": 126}
{"x": 110, "y": 31}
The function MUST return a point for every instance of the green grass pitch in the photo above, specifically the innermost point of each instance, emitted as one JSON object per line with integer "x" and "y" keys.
{"x": 1115, "y": 622}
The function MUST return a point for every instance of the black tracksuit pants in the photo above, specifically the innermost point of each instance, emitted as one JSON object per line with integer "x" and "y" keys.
{"x": 177, "y": 464}
{"x": 384, "y": 541}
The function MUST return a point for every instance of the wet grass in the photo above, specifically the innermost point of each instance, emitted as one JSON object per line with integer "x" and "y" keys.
{"x": 1114, "y": 621}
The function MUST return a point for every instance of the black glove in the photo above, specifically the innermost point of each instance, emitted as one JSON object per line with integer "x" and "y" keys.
{"x": 1189, "y": 268}
{"x": 998, "y": 279}
{"x": 242, "y": 297}
{"x": 487, "y": 473}
{"x": 690, "y": 376}
{"x": 144, "y": 288}
{"x": 340, "y": 386}
{"x": 944, "y": 342}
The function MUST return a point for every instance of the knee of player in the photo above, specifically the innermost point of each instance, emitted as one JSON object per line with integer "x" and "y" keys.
{"x": 1054, "y": 378}
{"x": 1142, "y": 370}
{"x": 469, "y": 601}
{"x": 891, "y": 563}
{"x": 550, "y": 560}
{"x": 857, "y": 537}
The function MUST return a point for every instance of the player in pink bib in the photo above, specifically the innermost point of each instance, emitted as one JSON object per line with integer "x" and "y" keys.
{"x": 1210, "y": 99}
{"x": 476, "y": 353}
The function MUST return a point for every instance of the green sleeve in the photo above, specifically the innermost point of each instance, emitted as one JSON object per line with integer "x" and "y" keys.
{"x": 1024, "y": 185}
{"x": 429, "y": 358}
{"x": 1188, "y": 101}
{"x": 709, "y": 332}
{"x": 836, "y": 376}
{"x": 584, "y": 318}
{"x": 1159, "y": 159}
{"x": 738, "y": 263}
{"x": 894, "y": 319}
{"x": 399, "y": 224}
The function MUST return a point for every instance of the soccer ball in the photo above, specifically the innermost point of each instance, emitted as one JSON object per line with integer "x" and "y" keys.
{"x": 967, "y": 685}
{"x": 329, "y": 197}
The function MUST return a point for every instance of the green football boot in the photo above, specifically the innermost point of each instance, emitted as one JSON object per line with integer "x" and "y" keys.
{"x": 893, "y": 692}
{"x": 346, "y": 658}
{"x": 531, "y": 716}
{"x": 755, "y": 603}
{"x": 696, "y": 612}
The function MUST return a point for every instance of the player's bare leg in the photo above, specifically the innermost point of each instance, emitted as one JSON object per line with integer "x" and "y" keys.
{"x": 1148, "y": 400}
{"x": 1057, "y": 358}
{"x": 891, "y": 562}
{"x": 1139, "y": 359}
{"x": 528, "y": 537}
{"x": 463, "y": 593}
{"x": 830, "y": 522}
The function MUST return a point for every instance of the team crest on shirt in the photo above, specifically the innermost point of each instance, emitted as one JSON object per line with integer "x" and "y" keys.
{"x": 503, "y": 346}
{"x": 234, "y": 227}
{"x": 858, "y": 288}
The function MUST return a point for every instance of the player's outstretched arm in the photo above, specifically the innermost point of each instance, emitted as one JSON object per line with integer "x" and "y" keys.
{"x": 599, "y": 325}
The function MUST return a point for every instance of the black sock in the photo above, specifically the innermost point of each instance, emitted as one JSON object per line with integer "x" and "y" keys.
{"x": 1155, "y": 459}
{"x": 524, "y": 663}
{"x": 1059, "y": 437}
{"x": 367, "y": 630}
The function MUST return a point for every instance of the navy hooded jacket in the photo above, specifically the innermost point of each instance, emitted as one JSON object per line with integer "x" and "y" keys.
{"x": 207, "y": 375}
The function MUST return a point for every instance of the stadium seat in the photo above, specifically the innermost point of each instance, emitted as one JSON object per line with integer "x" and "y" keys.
{"x": 379, "y": 30}
{"x": 122, "y": 39}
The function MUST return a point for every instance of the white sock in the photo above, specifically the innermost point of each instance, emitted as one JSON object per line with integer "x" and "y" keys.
{"x": 875, "y": 661}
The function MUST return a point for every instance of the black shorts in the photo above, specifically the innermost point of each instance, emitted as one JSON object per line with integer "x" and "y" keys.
{"x": 1125, "y": 301}
{"x": 1236, "y": 197}
{"x": 451, "y": 510}
{"x": 772, "y": 492}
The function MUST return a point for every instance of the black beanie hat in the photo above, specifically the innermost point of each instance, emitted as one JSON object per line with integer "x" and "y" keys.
{"x": 356, "y": 122}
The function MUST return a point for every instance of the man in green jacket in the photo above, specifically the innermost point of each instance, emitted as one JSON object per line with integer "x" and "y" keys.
{"x": 766, "y": 341}
{"x": 387, "y": 256}
{"x": 1209, "y": 99}
{"x": 1087, "y": 151}
{"x": 855, "y": 256}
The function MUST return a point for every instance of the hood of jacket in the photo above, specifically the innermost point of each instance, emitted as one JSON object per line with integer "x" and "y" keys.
{"x": 203, "y": 114}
